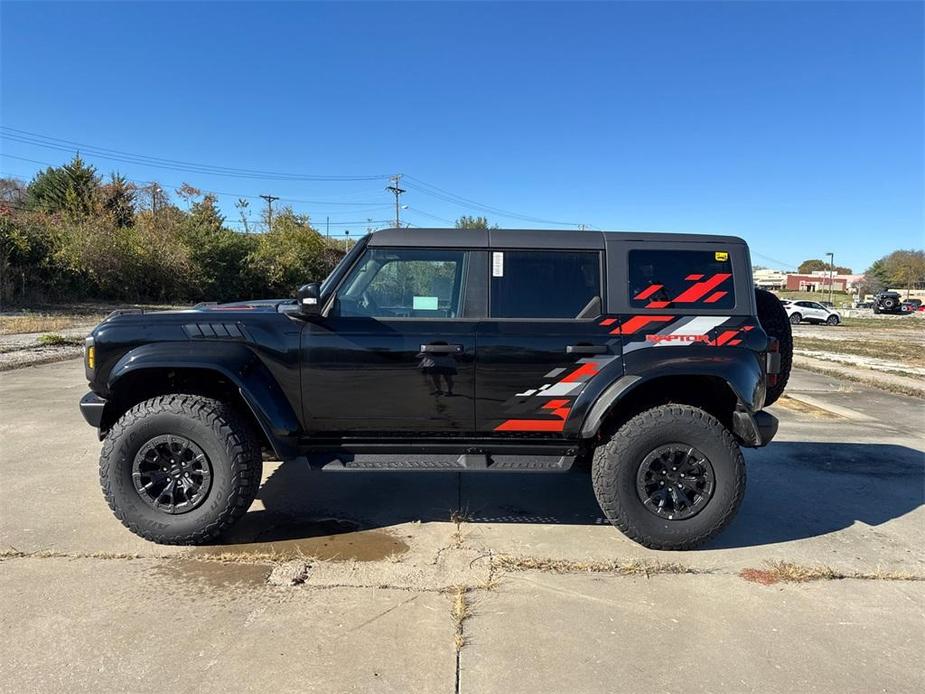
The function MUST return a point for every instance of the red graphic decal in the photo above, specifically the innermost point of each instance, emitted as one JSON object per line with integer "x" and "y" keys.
{"x": 647, "y": 292}
{"x": 637, "y": 322}
{"x": 700, "y": 289}
{"x": 692, "y": 278}
{"x": 588, "y": 369}
{"x": 531, "y": 425}
{"x": 555, "y": 404}
{"x": 657, "y": 304}
{"x": 734, "y": 342}
{"x": 715, "y": 296}
{"x": 608, "y": 321}
{"x": 725, "y": 337}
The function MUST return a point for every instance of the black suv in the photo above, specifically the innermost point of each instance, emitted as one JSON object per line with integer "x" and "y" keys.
{"x": 645, "y": 357}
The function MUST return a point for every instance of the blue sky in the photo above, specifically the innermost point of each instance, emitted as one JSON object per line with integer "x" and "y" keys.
{"x": 798, "y": 126}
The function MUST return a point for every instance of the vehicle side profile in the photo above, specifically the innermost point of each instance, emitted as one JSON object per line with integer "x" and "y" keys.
{"x": 811, "y": 312}
{"x": 646, "y": 357}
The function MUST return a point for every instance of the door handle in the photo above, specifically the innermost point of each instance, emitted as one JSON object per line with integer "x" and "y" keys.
{"x": 441, "y": 349}
{"x": 587, "y": 349}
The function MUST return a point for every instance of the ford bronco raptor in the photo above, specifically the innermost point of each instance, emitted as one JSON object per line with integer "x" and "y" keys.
{"x": 647, "y": 358}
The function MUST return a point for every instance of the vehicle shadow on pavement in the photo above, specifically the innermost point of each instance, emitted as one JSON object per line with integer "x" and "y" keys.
{"x": 796, "y": 490}
{"x": 799, "y": 490}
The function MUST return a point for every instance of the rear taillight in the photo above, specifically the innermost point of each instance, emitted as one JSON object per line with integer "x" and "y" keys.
{"x": 772, "y": 360}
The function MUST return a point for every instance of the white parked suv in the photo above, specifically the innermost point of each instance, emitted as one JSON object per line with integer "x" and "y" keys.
{"x": 810, "y": 312}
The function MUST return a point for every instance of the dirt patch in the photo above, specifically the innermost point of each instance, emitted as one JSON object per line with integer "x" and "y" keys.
{"x": 795, "y": 405}
{"x": 15, "y": 323}
{"x": 326, "y": 540}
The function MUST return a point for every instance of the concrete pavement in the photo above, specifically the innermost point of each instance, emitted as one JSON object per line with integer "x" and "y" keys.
{"x": 87, "y": 606}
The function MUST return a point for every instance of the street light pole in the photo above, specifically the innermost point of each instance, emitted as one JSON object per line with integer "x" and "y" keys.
{"x": 831, "y": 274}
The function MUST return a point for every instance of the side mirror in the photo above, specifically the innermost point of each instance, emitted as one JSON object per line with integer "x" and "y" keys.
{"x": 309, "y": 296}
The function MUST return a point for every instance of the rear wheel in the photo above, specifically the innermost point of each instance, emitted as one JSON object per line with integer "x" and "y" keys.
{"x": 671, "y": 478}
{"x": 773, "y": 318}
{"x": 180, "y": 469}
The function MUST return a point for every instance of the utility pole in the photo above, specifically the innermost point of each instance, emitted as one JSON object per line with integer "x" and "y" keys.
{"x": 831, "y": 273}
{"x": 327, "y": 226}
{"x": 269, "y": 199}
{"x": 397, "y": 191}
{"x": 155, "y": 190}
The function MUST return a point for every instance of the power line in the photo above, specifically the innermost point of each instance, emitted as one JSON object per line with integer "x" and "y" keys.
{"x": 447, "y": 196}
{"x": 217, "y": 192}
{"x": 26, "y": 137}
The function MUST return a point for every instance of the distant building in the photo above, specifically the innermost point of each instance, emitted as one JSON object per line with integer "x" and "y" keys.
{"x": 819, "y": 281}
{"x": 770, "y": 279}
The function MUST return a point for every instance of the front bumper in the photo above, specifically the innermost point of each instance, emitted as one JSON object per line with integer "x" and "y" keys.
{"x": 91, "y": 407}
{"x": 754, "y": 429}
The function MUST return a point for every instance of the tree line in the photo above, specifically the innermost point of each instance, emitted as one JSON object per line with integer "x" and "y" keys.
{"x": 70, "y": 235}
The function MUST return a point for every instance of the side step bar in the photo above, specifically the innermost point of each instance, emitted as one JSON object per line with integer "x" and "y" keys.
{"x": 467, "y": 462}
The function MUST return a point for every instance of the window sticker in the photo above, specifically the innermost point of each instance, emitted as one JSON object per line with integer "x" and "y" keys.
{"x": 497, "y": 264}
{"x": 424, "y": 303}
{"x": 721, "y": 256}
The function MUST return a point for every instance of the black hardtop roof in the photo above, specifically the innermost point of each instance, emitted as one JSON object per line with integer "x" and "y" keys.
{"x": 530, "y": 238}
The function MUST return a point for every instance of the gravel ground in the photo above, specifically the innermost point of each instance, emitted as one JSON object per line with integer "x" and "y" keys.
{"x": 885, "y": 357}
{"x": 17, "y": 351}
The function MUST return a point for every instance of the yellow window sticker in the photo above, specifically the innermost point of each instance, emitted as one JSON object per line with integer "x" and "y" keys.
{"x": 721, "y": 256}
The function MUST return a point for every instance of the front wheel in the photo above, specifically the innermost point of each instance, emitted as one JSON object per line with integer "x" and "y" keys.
{"x": 795, "y": 318}
{"x": 180, "y": 469}
{"x": 671, "y": 478}
{"x": 831, "y": 320}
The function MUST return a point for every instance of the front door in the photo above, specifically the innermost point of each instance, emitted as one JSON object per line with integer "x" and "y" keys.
{"x": 397, "y": 351}
{"x": 543, "y": 339}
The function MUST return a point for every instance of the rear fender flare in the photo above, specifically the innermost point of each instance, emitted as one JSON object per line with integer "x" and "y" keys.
{"x": 742, "y": 374}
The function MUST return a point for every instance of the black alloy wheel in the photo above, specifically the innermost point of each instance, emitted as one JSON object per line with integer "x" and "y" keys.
{"x": 172, "y": 474}
{"x": 675, "y": 481}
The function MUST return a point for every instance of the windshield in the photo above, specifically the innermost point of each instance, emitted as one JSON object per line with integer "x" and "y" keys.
{"x": 342, "y": 266}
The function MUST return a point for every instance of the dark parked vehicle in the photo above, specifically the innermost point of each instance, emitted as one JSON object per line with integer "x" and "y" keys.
{"x": 648, "y": 357}
{"x": 888, "y": 302}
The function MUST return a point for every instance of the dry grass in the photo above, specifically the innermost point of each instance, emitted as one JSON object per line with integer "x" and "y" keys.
{"x": 56, "y": 340}
{"x": 460, "y": 611}
{"x": 898, "y": 323}
{"x": 896, "y": 350}
{"x": 45, "y": 322}
{"x": 787, "y": 572}
{"x": 631, "y": 567}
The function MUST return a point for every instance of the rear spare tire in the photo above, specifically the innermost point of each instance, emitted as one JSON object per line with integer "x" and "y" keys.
{"x": 773, "y": 319}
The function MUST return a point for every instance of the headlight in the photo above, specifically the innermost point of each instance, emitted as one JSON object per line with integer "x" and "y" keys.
{"x": 89, "y": 357}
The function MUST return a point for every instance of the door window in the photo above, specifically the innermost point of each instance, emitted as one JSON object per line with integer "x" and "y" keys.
{"x": 545, "y": 284}
{"x": 676, "y": 279}
{"x": 404, "y": 283}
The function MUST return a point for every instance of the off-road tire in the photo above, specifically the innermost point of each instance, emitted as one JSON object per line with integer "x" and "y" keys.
{"x": 889, "y": 303}
{"x": 226, "y": 438}
{"x": 617, "y": 462}
{"x": 774, "y": 320}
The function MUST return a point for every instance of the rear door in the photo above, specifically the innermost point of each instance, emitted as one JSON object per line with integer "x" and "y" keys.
{"x": 397, "y": 351}
{"x": 542, "y": 340}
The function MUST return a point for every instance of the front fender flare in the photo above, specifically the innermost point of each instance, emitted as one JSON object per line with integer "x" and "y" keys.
{"x": 238, "y": 364}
